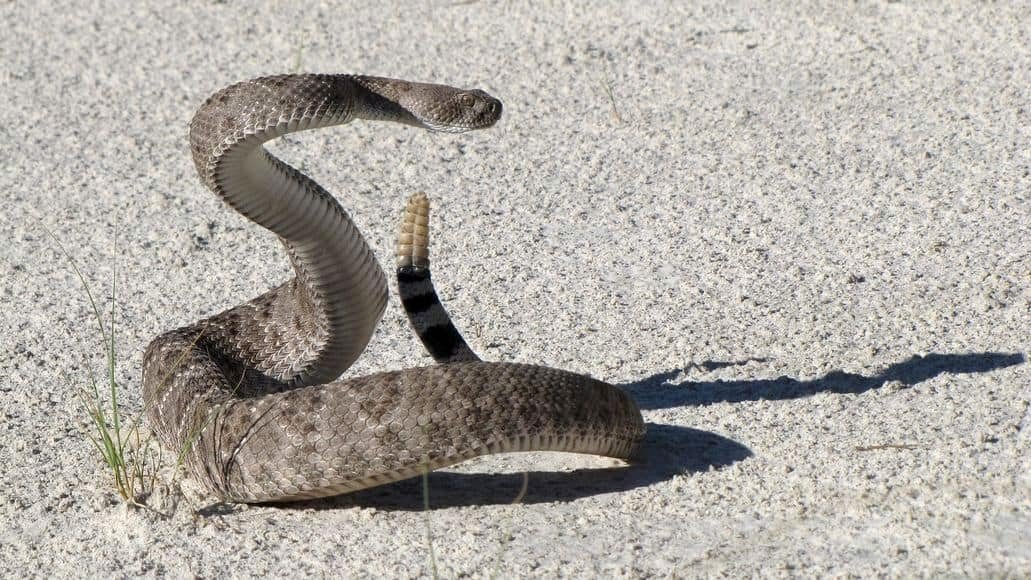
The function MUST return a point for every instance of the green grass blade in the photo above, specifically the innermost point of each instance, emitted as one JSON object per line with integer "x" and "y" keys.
{"x": 127, "y": 462}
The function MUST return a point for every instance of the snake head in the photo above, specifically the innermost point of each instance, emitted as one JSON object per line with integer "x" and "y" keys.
{"x": 431, "y": 106}
{"x": 462, "y": 110}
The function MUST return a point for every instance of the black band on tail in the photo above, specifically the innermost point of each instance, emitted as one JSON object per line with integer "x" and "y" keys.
{"x": 428, "y": 318}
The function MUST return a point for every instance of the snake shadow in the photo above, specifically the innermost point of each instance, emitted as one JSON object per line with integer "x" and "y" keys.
{"x": 666, "y": 451}
{"x": 663, "y": 390}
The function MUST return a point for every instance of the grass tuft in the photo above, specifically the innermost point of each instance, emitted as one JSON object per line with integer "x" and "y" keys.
{"x": 606, "y": 85}
{"x": 132, "y": 462}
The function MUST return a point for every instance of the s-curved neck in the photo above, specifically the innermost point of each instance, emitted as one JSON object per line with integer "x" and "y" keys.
{"x": 340, "y": 291}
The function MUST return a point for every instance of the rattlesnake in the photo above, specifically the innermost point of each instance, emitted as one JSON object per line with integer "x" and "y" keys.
{"x": 248, "y": 398}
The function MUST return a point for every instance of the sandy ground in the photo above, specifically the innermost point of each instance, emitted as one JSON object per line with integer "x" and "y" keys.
{"x": 800, "y": 238}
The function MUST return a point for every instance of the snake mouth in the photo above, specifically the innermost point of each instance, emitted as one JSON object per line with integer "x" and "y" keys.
{"x": 445, "y": 128}
{"x": 459, "y": 126}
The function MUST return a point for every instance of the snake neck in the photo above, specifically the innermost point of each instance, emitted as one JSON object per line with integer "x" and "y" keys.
{"x": 314, "y": 327}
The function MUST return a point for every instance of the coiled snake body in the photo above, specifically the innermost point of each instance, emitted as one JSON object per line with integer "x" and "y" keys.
{"x": 249, "y": 397}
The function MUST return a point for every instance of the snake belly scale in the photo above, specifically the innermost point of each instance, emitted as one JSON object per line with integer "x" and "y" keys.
{"x": 249, "y": 397}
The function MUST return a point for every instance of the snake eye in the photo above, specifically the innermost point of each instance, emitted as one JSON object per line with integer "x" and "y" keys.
{"x": 467, "y": 100}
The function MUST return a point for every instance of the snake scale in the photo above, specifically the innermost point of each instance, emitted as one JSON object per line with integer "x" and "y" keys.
{"x": 250, "y": 398}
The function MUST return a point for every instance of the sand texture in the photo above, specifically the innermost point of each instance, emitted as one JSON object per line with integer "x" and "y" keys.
{"x": 798, "y": 234}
